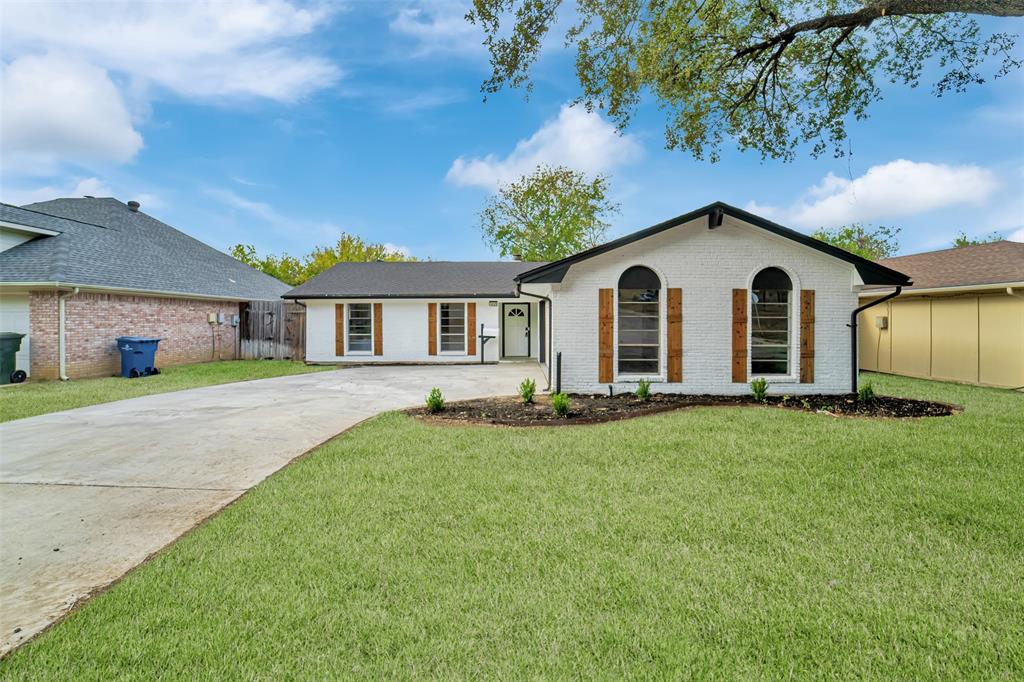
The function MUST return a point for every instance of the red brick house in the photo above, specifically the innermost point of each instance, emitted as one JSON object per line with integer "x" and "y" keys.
{"x": 96, "y": 269}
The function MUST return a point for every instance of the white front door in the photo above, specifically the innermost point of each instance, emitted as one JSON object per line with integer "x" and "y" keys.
{"x": 516, "y": 330}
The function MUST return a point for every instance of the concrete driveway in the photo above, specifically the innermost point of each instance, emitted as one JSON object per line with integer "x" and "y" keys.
{"x": 87, "y": 494}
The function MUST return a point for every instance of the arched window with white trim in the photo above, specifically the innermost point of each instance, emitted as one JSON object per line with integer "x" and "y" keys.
{"x": 639, "y": 321}
{"x": 771, "y": 295}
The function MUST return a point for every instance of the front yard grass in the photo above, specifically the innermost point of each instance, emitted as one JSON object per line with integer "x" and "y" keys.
{"x": 734, "y": 543}
{"x": 43, "y": 397}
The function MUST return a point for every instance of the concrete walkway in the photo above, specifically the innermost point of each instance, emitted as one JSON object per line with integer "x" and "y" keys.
{"x": 87, "y": 494}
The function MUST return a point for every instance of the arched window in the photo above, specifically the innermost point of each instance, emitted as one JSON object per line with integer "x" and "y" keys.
{"x": 771, "y": 297}
{"x": 639, "y": 315}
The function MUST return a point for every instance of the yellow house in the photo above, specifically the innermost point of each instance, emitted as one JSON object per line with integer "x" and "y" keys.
{"x": 962, "y": 320}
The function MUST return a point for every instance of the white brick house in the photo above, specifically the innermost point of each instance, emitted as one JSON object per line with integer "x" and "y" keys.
{"x": 701, "y": 303}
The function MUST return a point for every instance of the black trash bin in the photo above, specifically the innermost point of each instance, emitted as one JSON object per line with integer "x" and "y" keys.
{"x": 138, "y": 356}
{"x": 10, "y": 344}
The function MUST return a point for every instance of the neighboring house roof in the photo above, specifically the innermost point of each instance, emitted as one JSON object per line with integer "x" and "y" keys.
{"x": 104, "y": 244}
{"x": 870, "y": 272}
{"x": 995, "y": 263}
{"x": 418, "y": 279}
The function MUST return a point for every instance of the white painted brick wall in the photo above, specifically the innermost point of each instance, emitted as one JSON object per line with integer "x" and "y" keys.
{"x": 405, "y": 331}
{"x": 708, "y": 265}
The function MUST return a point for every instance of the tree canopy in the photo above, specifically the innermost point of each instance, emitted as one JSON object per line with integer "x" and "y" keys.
{"x": 547, "y": 215}
{"x": 867, "y": 241}
{"x": 962, "y": 239}
{"x": 772, "y": 75}
{"x": 295, "y": 271}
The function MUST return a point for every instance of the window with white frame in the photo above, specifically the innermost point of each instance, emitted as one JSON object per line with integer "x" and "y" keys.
{"x": 639, "y": 322}
{"x": 770, "y": 313}
{"x": 453, "y": 327}
{"x": 360, "y": 327}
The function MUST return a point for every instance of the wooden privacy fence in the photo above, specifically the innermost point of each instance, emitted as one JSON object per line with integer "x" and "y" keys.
{"x": 272, "y": 330}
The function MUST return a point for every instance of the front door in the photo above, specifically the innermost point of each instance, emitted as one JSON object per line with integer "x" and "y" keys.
{"x": 515, "y": 332}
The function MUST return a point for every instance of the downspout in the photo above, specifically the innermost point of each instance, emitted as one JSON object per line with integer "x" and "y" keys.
{"x": 853, "y": 334}
{"x": 61, "y": 342}
{"x": 1010, "y": 292}
{"x": 551, "y": 315}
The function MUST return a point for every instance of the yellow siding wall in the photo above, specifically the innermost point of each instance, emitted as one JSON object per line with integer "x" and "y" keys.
{"x": 969, "y": 338}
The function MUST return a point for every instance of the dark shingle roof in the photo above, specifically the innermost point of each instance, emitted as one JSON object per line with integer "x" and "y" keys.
{"x": 993, "y": 263}
{"x": 103, "y": 243}
{"x": 414, "y": 280}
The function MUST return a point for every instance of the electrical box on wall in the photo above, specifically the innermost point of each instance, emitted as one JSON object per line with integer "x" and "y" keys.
{"x": 234, "y": 320}
{"x": 220, "y": 318}
{"x": 211, "y": 318}
{"x": 882, "y": 321}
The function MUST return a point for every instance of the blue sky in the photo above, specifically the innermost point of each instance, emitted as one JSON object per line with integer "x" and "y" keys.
{"x": 284, "y": 124}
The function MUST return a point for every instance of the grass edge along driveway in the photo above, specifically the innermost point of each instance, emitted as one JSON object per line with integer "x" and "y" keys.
{"x": 43, "y": 397}
{"x": 714, "y": 542}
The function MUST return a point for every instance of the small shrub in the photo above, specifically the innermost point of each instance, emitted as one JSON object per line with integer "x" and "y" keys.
{"x": 866, "y": 393}
{"x": 435, "y": 401}
{"x": 643, "y": 390}
{"x": 526, "y": 390}
{"x": 560, "y": 404}
{"x": 759, "y": 387}
{"x": 806, "y": 403}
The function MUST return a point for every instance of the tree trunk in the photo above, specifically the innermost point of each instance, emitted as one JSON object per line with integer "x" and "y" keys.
{"x": 995, "y": 8}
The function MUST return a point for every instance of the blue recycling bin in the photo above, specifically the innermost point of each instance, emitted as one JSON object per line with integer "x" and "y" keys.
{"x": 138, "y": 356}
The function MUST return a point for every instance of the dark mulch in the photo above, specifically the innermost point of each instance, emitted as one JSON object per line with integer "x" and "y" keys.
{"x": 591, "y": 409}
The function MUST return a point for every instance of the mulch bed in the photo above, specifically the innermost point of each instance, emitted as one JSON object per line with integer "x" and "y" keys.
{"x": 592, "y": 409}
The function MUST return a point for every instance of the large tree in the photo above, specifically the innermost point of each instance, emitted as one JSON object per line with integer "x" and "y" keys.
{"x": 962, "y": 239}
{"x": 869, "y": 242}
{"x": 770, "y": 74}
{"x": 547, "y": 215}
{"x": 295, "y": 271}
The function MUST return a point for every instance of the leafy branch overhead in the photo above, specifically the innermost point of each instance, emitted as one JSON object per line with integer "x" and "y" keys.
{"x": 547, "y": 215}
{"x": 295, "y": 271}
{"x": 771, "y": 74}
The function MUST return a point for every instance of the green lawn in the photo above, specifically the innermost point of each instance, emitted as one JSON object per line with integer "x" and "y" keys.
{"x": 30, "y": 399}
{"x": 733, "y": 543}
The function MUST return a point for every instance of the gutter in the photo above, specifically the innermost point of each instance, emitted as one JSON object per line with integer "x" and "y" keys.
{"x": 551, "y": 313}
{"x": 854, "y": 359}
{"x": 61, "y": 341}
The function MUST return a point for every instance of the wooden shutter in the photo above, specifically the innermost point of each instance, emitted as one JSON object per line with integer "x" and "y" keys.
{"x": 675, "y": 335}
{"x": 378, "y": 329}
{"x": 432, "y": 329}
{"x": 471, "y": 328}
{"x": 739, "y": 336}
{"x": 339, "y": 329}
{"x": 807, "y": 336}
{"x": 605, "y": 335}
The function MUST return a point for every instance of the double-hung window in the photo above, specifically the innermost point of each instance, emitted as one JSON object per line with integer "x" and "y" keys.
{"x": 639, "y": 321}
{"x": 360, "y": 327}
{"x": 453, "y": 327}
{"x": 770, "y": 312}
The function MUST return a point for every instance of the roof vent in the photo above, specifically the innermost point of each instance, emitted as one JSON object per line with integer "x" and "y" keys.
{"x": 88, "y": 196}
{"x": 133, "y": 206}
{"x": 517, "y": 256}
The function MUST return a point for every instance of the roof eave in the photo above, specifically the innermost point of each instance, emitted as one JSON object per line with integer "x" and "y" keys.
{"x": 869, "y": 271}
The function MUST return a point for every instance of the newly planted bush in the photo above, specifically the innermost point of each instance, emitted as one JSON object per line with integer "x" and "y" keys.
{"x": 435, "y": 401}
{"x": 866, "y": 393}
{"x": 560, "y": 404}
{"x": 643, "y": 390}
{"x": 526, "y": 390}
{"x": 759, "y": 387}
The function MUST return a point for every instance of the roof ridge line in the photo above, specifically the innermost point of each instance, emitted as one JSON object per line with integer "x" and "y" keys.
{"x": 60, "y": 217}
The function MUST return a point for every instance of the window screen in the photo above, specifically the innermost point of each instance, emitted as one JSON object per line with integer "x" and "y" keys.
{"x": 453, "y": 327}
{"x": 771, "y": 295}
{"x": 639, "y": 321}
{"x": 360, "y": 328}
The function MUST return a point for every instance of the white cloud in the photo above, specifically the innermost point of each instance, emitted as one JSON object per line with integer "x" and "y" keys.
{"x": 76, "y": 187}
{"x": 195, "y": 49}
{"x": 259, "y": 209}
{"x": 404, "y": 250}
{"x": 576, "y": 138}
{"x": 897, "y": 188}
{"x": 1016, "y": 236}
{"x": 422, "y": 101}
{"x": 441, "y": 30}
{"x": 57, "y": 108}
